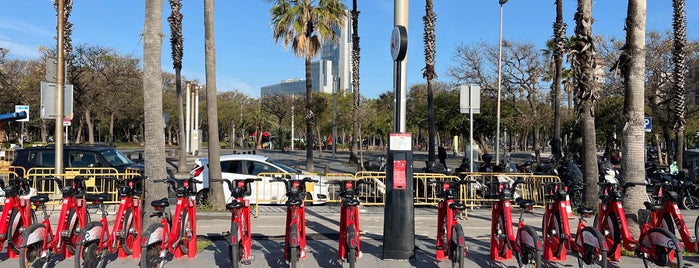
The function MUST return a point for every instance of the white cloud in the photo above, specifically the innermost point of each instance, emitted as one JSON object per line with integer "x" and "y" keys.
{"x": 19, "y": 50}
{"x": 25, "y": 28}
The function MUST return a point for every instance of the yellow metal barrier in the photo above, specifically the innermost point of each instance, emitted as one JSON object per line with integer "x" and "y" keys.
{"x": 333, "y": 189}
{"x": 372, "y": 187}
{"x": 95, "y": 183}
{"x": 485, "y": 190}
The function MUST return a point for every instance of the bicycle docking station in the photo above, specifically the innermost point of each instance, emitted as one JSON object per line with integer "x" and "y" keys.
{"x": 399, "y": 212}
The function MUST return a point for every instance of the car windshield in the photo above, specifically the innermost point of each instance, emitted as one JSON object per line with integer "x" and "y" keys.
{"x": 282, "y": 166}
{"x": 115, "y": 157}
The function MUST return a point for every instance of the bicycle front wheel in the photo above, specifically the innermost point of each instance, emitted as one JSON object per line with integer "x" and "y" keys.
{"x": 90, "y": 256}
{"x": 610, "y": 231}
{"x": 665, "y": 247}
{"x": 31, "y": 250}
{"x": 234, "y": 252}
{"x": 293, "y": 256}
{"x": 151, "y": 245}
{"x": 128, "y": 233}
{"x": 72, "y": 225}
{"x": 529, "y": 249}
{"x": 351, "y": 246}
{"x": 593, "y": 248}
{"x": 501, "y": 234}
{"x": 553, "y": 233}
{"x": 457, "y": 247}
{"x": 185, "y": 232}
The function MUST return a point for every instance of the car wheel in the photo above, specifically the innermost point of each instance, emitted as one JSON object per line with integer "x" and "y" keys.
{"x": 203, "y": 197}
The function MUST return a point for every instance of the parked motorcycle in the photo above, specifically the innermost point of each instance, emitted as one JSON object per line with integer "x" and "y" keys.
{"x": 687, "y": 192}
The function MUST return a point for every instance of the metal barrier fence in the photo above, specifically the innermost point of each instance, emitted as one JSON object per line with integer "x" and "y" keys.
{"x": 485, "y": 190}
{"x": 96, "y": 182}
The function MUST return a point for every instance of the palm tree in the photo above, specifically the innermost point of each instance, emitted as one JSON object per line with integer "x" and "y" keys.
{"x": 355, "y": 84}
{"x": 632, "y": 65}
{"x": 177, "y": 45}
{"x": 218, "y": 202}
{"x": 305, "y": 25}
{"x": 559, "y": 30}
{"x": 428, "y": 73}
{"x": 153, "y": 107}
{"x": 679, "y": 28}
{"x": 584, "y": 65}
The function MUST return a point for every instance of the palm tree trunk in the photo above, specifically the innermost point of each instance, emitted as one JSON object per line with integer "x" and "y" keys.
{"x": 559, "y": 29}
{"x": 632, "y": 62}
{"x": 153, "y": 109}
{"x": 679, "y": 27}
{"x": 309, "y": 117}
{"x": 584, "y": 65}
{"x": 355, "y": 84}
{"x": 181, "y": 143}
{"x": 216, "y": 196}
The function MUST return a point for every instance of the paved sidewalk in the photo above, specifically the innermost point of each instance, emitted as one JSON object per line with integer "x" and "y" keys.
{"x": 322, "y": 225}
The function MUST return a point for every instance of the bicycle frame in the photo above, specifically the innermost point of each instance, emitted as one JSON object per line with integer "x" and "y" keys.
{"x": 670, "y": 208}
{"x": 615, "y": 208}
{"x": 557, "y": 207}
{"x": 240, "y": 232}
{"x": 349, "y": 216}
{"x": 128, "y": 202}
{"x": 612, "y": 205}
{"x": 503, "y": 207}
{"x": 186, "y": 203}
{"x": 18, "y": 207}
{"x": 295, "y": 216}
{"x": 446, "y": 218}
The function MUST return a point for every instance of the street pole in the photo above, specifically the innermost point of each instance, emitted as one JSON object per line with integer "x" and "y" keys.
{"x": 497, "y": 131}
{"x": 335, "y": 90}
{"x": 293, "y": 100}
{"x": 60, "y": 81}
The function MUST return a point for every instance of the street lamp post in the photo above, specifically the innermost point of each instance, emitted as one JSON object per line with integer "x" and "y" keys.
{"x": 497, "y": 131}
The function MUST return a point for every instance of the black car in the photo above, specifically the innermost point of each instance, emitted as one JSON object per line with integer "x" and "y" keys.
{"x": 77, "y": 156}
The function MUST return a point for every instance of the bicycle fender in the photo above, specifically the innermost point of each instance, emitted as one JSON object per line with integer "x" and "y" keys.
{"x": 14, "y": 215}
{"x": 294, "y": 236}
{"x": 457, "y": 233}
{"x": 92, "y": 232}
{"x": 351, "y": 237}
{"x": 662, "y": 238}
{"x": 154, "y": 234}
{"x": 590, "y": 239}
{"x": 35, "y": 236}
{"x": 234, "y": 235}
{"x": 526, "y": 239}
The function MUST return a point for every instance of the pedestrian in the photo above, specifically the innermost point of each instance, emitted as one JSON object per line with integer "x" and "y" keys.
{"x": 442, "y": 155}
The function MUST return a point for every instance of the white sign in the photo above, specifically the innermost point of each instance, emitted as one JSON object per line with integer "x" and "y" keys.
{"x": 66, "y": 122}
{"x": 22, "y": 108}
{"x": 48, "y": 100}
{"x": 400, "y": 141}
{"x": 470, "y": 99}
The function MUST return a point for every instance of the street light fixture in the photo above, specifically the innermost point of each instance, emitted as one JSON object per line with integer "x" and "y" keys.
{"x": 497, "y": 131}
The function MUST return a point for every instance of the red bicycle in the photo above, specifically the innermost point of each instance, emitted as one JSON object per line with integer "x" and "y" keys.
{"x": 669, "y": 216}
{"x": 17, "y": 215}
{"x": 588, "y": 244}
{"x": 177, "y": 236}
{"x": 526, "y": 244}
{"x": 349, "y": 245}
{"x": 655, "y": 245}
{"x": 295, "y": 235}
{"x": 40, "y": 242}
{"x": 240, "y": 235}
{"x": 96, "y": 241}
{"x": 450, "y": 235}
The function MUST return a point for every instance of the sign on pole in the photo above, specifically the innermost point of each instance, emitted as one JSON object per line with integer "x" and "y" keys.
{"x": 48, "y": 100}
{"x": 648, "y": 124}
{"x": 470, "y": 99}
{"x": 20, "y": 108}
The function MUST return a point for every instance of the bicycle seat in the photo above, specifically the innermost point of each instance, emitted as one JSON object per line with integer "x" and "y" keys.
{"x": 67, "y": 191}
{"x": 561, "y": 195}
{"x": 457, "y": 206}
{"x": 526, "y": 203}
{"x": 672, "y": 196}
{"x": 234, "y": 204}
{"x": 160, "y": 203}
{"x": 652, "y": 207}
{"x": 96, "y": 197}
{"x": 585, "y": 211}
{"x": 39, "y": 199}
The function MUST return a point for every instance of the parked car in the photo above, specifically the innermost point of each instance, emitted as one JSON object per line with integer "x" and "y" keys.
{"x": 74, "y": 156}
{"x": 242, "y": 166}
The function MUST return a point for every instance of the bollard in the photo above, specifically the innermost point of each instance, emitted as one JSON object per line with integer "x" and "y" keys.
{"x": 327, "y": 170}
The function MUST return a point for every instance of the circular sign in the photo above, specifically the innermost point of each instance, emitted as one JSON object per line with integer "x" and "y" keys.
{"x": 399, "y": 42}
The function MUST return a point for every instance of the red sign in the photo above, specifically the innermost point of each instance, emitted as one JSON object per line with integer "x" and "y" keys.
{"x": 399, "y": 174}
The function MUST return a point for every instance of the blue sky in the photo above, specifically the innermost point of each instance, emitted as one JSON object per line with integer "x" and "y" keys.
{"x": 248, "y": 58}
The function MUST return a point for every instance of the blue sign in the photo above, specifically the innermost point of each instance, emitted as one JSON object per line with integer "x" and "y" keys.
{"x": 648, "y": 123}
